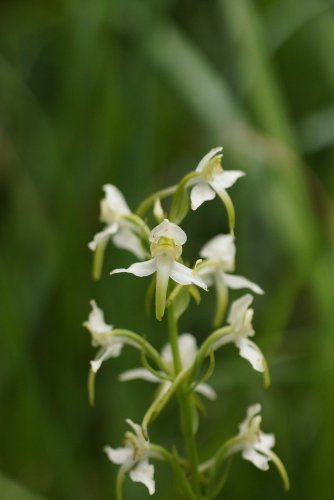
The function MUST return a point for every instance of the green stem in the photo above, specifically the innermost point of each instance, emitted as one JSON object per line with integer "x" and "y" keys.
{"x": 149, "y": 201}
{"x": 185, "y": 405}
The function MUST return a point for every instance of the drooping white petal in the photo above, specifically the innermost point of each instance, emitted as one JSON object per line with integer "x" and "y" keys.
{"x": 236, "y": 282}
{"x": 168, "y": 230}
{"x": 222, "y": 249}
{"x": 115, "y": 200}
{"x": 226, "y": 179}
{"x": 138, "y": 373}
{"x": 205, "y": 160}
{"x": 127, "y": 239}
{"x": 207, "y": 391}
{"x": 185, "y": 276}
{"x": 139, "y": 268}
{"x": 113, "y": 350}
{"x": 118, "y": 455}
{"x": 260, "y": 461}
{"x": 251, "y": 352}
{"x": 96, "y": 323}
{"x": 200, "y": 193}
{"x": 144, "y": 473}
{"x": 103, "y": 236}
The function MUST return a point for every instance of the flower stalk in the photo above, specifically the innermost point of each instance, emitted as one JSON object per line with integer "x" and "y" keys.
{"x": 181, "y": 369}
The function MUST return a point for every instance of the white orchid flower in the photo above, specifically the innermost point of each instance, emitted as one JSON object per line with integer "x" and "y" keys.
{"x": 254, "y": 444}
{"x": 188, "y": 351}
{"x": 219, "y": 255}
{"x": 240, "y": 319}
{"x": 211, "y": 179}
{"x": 166, "y": 248}
{"x": 119, "y": 228}
{"x": 133, "y": 457}
{"x": 110, "y": 347}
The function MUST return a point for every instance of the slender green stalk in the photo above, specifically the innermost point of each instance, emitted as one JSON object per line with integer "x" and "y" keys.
{"x": 185, "y": 405}
{"x": 149, "y": 201}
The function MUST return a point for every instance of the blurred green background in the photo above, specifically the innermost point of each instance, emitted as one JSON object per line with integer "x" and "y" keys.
{"x": 135, "y": 92}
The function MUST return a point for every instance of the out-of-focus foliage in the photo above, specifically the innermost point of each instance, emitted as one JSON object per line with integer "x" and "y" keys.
{"x": 134, "y": 92}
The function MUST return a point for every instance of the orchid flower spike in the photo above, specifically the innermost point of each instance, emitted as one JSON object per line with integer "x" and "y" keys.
{"x": 212, "y": 180}
{"x": 240, "y": 320}
{"x": 133, "y": 457}
{"x": 188, "y": 351}
{"x": 166, "y": 248}
{"x": 123, "y": 232}
{"x": 256, "y": 446}
{"x": 219, "y": 257}
{"x": 110, "y": 347}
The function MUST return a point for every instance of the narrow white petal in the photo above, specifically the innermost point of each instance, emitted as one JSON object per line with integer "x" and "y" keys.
{"x": 138, "y": 373}
{"x": 236, "y": 282}
{"x": 200, "y": 193}
{"x": 260, "y": 461}
{"x": 118, "y": 455}
{"x": 102, "y": 236}
{"x": 139, "y": 268}
{"x": 127, "y": 239}
{"x": 207, "y": 391}
{"x": 185, "y": 276}
{"x": 144, "y": 473}
{"x": 115, "y": 200}
{"x": 224, "y": 180}
{"x": 251, "y": 352}
{"x": 205, "y": 160}
{"x": 168, "y": 230}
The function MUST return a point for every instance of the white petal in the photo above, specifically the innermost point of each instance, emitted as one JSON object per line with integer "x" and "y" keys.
{"x": 251, "y": 352}
{"x": 144, "y": 473}
{"x": 144, "y": 443}
{"x": 236, "y": 282}
{"x": 188, "y": 349}
{"x": 168, "y": 230}
{"x": 221, "y": 248}
{"x": 238, "y": 310}
{"x": 139, "y": 268}
{"x": 260, "y": 461}
{"x": 266, "y": 442}
{"x": 138, "y": 373}
{"x": 118, "y": 455}
{"x": 113, "y": 350}
{"x": 253, "y": 410}
{"x": 224, "y": 180}
{"x": 96, "y": 323}
{"x": 185, "y": 276}
{"x": 115, "y": 200}
{"x": 207, "y": 391}
{"x": 205, "y": 160}
{"x": 102, "y": 236}
{"x": 200, "y": 193}
{"x": 127, "y": 239}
